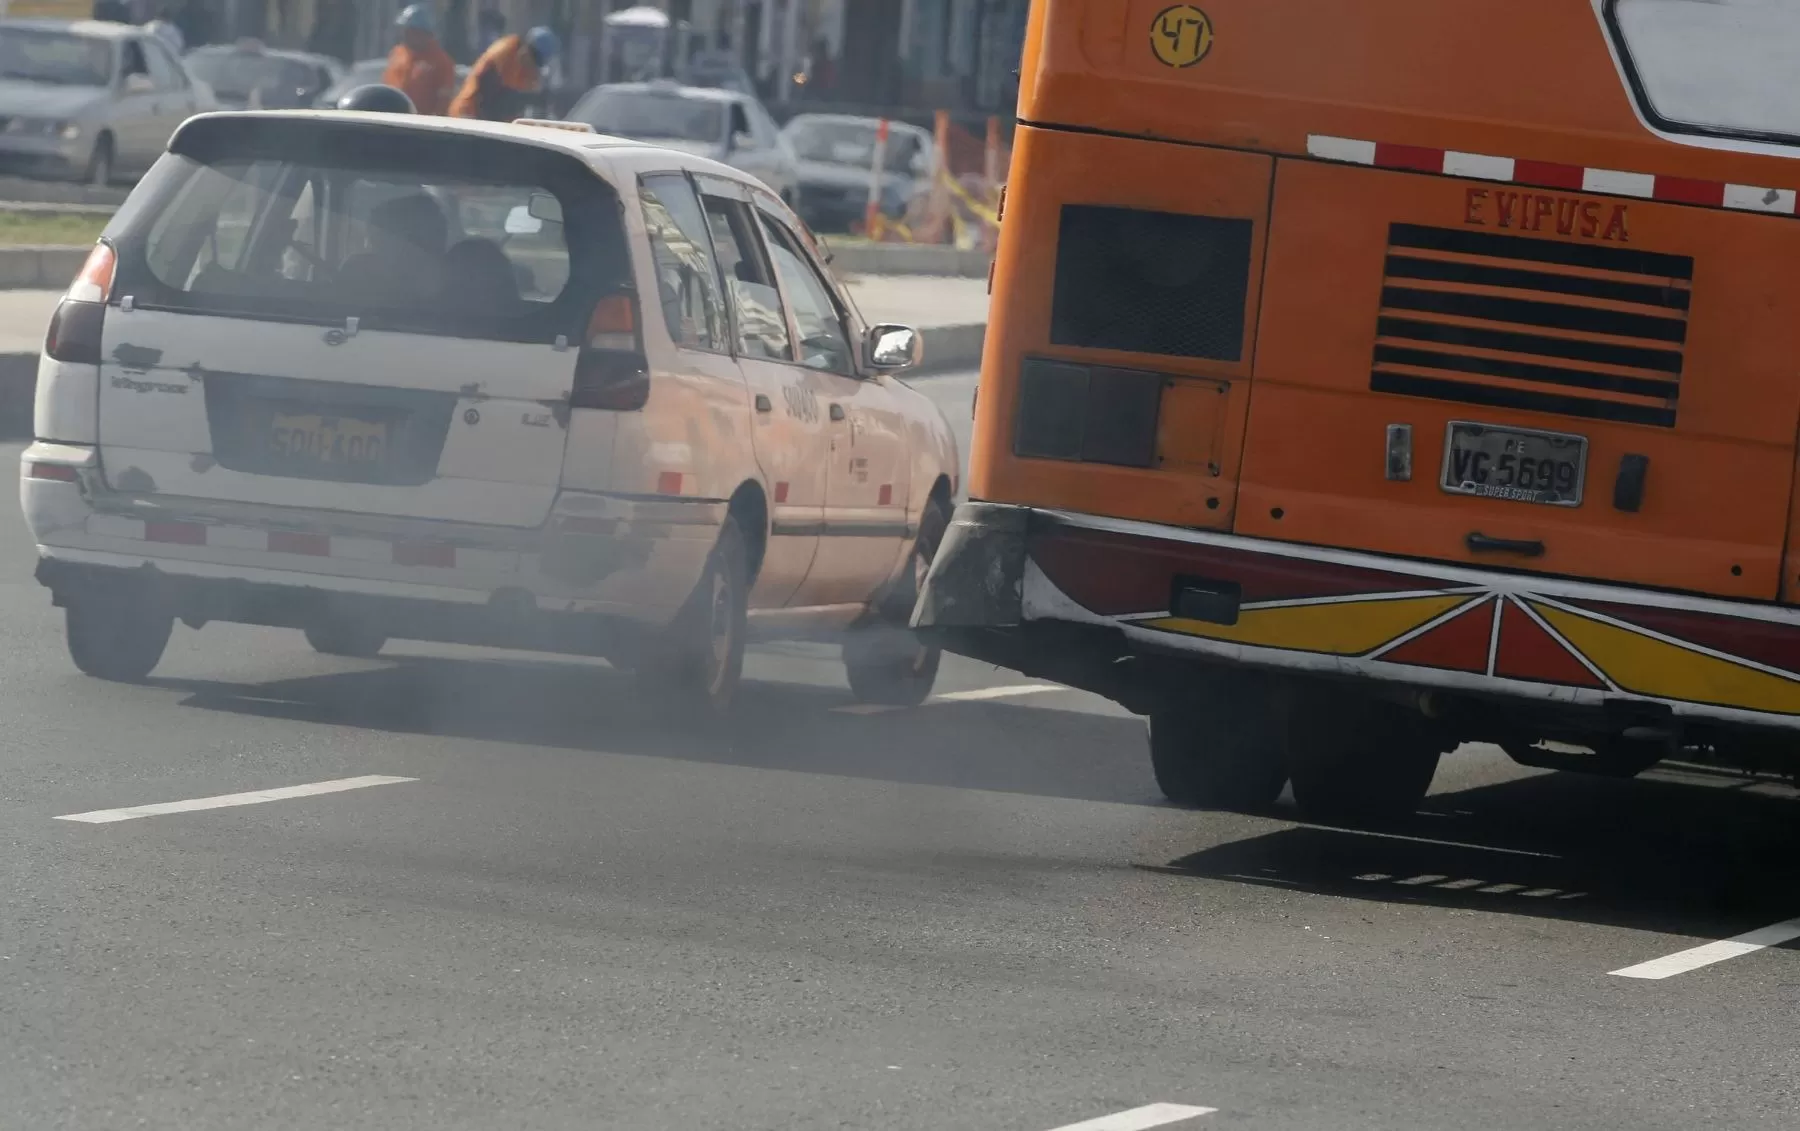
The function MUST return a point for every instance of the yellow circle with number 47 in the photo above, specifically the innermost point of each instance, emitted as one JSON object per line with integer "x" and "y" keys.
{"x": 1181, "y": 36}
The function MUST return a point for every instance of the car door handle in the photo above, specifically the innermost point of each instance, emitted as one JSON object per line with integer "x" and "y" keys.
{"x": 763, "y": 404}
{"x": 837, "y": 412}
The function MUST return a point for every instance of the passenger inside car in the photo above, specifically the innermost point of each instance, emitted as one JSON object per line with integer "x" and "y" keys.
{"x": 406, "y": 249}
{"x": 479, "y": 276}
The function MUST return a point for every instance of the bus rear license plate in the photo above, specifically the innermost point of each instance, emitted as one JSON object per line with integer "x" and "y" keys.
{"x": 1514, "y": 463}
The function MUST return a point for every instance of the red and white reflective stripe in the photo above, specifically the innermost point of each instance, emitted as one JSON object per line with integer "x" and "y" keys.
{"x": 377, "y": 551}
{"x": 1549, "y": 174}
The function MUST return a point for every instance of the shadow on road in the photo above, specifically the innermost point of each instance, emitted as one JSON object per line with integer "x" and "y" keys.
{"x": 1648, "y": 854}
{"x": 780, "y": 726}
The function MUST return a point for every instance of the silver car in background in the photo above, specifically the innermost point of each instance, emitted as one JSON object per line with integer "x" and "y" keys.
{"x": 89, "y": 100}
{"x": 724, "y": 125}
{"x": 836, "y": 154}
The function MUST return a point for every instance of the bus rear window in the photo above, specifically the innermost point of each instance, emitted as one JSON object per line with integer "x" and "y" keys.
{"x": 1722, "y": 68}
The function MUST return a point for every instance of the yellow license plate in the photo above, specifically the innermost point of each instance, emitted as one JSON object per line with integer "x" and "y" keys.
{"x": 333, "y": 441}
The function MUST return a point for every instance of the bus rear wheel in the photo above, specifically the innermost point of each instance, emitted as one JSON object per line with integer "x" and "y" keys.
{"x": 1220, "y": 746}
{"x": 1356, "y": 761}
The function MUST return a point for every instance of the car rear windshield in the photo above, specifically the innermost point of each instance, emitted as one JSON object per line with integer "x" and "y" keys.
{"x": 1713, "y": 67}
{"x": 33, "y": 55}
{"x": 403, "y": 229}
{"x": 236, "y": 74}
{"x": 652, "y": 115}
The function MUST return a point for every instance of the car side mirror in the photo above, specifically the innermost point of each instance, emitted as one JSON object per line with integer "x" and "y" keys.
{"x": 893, "y": 348}
{"x": 520, "y": 222}
{"x": 138, "y": 84}
{"x": 743, "y": 140}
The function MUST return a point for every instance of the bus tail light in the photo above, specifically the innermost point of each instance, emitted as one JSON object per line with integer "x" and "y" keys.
{"x": 1087, "y": 413}
{"x": 612, "y": 372}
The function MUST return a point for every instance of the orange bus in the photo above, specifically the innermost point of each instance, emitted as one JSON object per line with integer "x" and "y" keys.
{"x": 1365, "y": 377}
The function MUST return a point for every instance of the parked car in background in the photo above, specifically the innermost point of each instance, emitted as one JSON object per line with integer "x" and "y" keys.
{"x": 364, "y": 72}
{"x": 719, "y": 70}
{"x": 248, "y": 75}
{"x": 89, "y": 100}
{"x": 708, "y": 122}
{"x": 836, "y": 153}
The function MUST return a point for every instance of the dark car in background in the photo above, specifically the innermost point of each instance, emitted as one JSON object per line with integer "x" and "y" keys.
{"x": 836, "y": 154}
{"x": 248, "y": 75}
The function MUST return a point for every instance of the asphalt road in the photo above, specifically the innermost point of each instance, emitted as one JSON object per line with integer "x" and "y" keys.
{"x": 976, "y": 915}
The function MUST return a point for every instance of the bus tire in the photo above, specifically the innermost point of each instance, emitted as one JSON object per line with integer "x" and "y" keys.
{"x": 1221, "y": 755}
{"x": 1359, "y": 762}
{"x": 118, "y": 639}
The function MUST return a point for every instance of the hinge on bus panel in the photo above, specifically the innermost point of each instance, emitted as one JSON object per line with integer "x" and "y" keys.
{"x": 1399, "y": 453}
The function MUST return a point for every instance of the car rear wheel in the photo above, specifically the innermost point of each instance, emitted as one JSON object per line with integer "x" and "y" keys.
{"x": 700, "y": 660}
{"x": 100, "y": 165}
{"x": 341, "y": 638}
{"x": 116, "y": 637}
{"x": 886, "y": 663}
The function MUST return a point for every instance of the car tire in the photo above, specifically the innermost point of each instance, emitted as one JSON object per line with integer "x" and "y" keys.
{"x": 698, "y": 663}
{"x": 342, "y": 638}
{"x": 1357, "y": 762}
{"x": 1224, "y": 747}
{"x": 886, "y": 663}
{"x": 101, "y": 166}
{"x": 116, "y": 638}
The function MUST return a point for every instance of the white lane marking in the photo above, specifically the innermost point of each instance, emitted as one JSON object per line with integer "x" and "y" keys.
{"x": 1692, "y": 959}
{"x": 226, "y": 800}
{"x": 978, "y": 695}
{"x": 1138, "y": 1118}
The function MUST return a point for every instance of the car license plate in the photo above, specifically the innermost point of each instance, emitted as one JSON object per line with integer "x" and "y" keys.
{"x": 336, "y": 443}
{"x": 1515, "y": 463}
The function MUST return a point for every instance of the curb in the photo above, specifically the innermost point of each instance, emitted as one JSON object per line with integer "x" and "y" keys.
{"x": 61, "y": 192}
{"x": 948, "y": 349}
{"x": 40, "y": 268}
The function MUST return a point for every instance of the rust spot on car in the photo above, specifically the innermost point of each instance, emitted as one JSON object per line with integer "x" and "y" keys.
{"x": 137, "y": 359}
{"x": 202, "y": 463}
{"x": 136, "y": 480}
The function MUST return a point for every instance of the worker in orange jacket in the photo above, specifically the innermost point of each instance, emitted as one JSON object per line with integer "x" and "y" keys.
{"x": 507, "y": 78}
{"x": 419, "y": 65}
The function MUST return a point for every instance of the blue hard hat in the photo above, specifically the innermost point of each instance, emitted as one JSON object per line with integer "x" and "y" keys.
{"x": 416, "y": 16}
{"x": 543, "y": 43}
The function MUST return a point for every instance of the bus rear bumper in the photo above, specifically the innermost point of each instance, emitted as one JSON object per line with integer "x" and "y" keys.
{"x": 1104, "y": 604}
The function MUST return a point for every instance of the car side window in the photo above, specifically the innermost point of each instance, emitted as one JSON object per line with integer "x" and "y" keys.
{"x": 762, "y": 329}
{"x": 164, "y": 71}
{"x": 823, "y": 342}
{"x": 687, "y": 276}
{"x": 740, "y": 123}
{"x": 132, "y": 61}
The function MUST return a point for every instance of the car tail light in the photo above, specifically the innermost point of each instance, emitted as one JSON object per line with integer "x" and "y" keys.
{"x": 77, "y": 325}
{"x": 611, "y": 372}
{"x": 59, "y": 472}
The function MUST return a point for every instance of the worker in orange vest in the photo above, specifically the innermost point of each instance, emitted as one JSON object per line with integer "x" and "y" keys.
{"x": 507, "y": 78}
{"x": 419, "y": 65}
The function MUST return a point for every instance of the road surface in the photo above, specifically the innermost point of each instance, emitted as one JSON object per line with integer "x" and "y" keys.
{"x": 975, "y": 916}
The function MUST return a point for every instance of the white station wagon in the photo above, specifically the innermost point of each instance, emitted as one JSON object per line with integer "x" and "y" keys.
{"x": 382, "y": 376}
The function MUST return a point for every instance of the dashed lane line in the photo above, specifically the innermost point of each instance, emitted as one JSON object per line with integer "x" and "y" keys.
{"x": 979, "y": 694}
{"x": 1139, "y": 1118}
{"x": 227, "y": 800}
{"x": 1694, "y": 958}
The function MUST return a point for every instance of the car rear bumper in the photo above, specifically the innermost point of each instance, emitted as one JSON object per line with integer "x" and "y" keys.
{"x": 637, "y": 560}
{"x": 1079, "y": 597}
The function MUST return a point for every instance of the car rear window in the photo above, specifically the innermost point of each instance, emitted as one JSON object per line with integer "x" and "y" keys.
{"x": 1713, "y": 67}
{"x": 236, "y": 74}
{"x": 402, "y": 229}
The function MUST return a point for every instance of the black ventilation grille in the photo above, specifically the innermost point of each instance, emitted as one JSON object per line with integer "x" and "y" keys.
{"x": 1151, "y": 282}
{"x": 1532, "y": 324}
